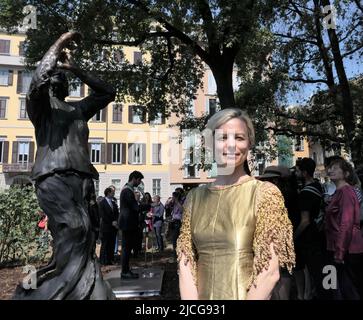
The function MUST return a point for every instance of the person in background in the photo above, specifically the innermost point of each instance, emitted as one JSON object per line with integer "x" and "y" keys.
{"x": 129, "y": 221}
{"x": 343, "y": 233}
{"x": 158, "y": 221}
{"x": 309, "y": 245}
{"x": 109, "y": 216}
{"x": 281, "y": 177}
{"x": 176, "y": 218}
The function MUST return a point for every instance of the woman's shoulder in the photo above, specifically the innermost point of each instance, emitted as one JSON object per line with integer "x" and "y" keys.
{"x": 267, "y": 192}
{"x": 266, "y": 187}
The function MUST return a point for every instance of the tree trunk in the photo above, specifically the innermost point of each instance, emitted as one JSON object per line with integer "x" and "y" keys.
{"x": 223, "y": 75}
{"x": 347, "y": 102}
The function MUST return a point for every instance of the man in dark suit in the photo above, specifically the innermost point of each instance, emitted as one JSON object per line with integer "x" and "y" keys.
{"x": 129, "y": 221}
{"x": 109, "y": 216}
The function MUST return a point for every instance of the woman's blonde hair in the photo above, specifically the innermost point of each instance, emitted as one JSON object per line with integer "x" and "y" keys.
{"x": 221, "y": 117}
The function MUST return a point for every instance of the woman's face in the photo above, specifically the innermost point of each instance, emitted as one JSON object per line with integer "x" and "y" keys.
{"x": 336, "y": 173}
{"x": 232, "y": 143}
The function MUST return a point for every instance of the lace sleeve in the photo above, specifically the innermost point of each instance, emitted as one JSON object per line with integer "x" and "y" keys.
{"x": 272, "y": 226}
{"x": 185, "y": 243}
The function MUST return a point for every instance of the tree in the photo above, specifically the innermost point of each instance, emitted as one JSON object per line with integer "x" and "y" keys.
{"x": 311, "y": 52}
{"x": 170, "y": 33}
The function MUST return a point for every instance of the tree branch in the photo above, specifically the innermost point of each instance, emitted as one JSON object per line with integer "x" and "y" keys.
{"x": 209, "y": 27}
{"x": 357, "y": 2}
{"x": 348, "y": 53}
{"x": 309, "y": 80}
{"x": 175, "y": 31}
{"x": 305, "y": 120}
{"x": 308, "y": 133}
{"x": 297, "y": 38}
{"x": 134, "y": 43}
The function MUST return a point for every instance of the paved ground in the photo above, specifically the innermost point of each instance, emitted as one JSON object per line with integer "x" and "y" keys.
{"x": 10, "y": 277}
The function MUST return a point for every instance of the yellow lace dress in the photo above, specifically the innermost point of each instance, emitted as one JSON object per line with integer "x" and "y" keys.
{"x": 226, "y": 235}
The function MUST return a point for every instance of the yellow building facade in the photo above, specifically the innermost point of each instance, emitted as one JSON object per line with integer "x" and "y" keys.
{"x": 120, "y": 141}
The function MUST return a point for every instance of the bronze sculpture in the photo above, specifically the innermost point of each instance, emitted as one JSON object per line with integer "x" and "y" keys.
{"x": 63, "y": 176}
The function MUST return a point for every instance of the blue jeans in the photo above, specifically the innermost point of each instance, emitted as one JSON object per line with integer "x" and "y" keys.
{"x": 159, "y": 237}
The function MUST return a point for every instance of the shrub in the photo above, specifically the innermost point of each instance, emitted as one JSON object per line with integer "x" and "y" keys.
{"x": 21, "y": 240}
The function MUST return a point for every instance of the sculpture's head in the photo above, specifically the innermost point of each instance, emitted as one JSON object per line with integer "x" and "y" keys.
{"x": 59, "y": 84}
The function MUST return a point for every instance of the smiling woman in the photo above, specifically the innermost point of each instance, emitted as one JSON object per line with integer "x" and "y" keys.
{"x": 235, "y": 232}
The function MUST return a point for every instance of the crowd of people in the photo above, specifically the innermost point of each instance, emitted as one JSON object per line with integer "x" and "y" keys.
{"x": 283, "y": 222}
{"x": 142, "y": 222}
{"x": 327, "y": 219}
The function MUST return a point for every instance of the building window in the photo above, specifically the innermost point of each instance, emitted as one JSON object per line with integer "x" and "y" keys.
{"x": 213, "y": 171}
{"x": 22, "y": 48}
{"x": 77, "y": 90}
{"x": 116, "y": 153}
{"x": 158, "y": 119}
{"x": 23, "y": 113}
{"x": 100, "y": 116}
{"x": 95, "y": 152}
{"x": 156, "y": 187}
{"x": 156, "y": 156}
{"x": 3, "y": 103}
{"x": 136, "y": 153}
{"x": 212, "y": 86}
{"x": 212, "y": 106}
{"x": 24, "y": 79}
{"x": 117, "y": 113}
{"x": 23, "y": 152}
{"x": 6, "y": 77}
{"x": 299, "y": 144}
{"x": 136, "y": 114}
{"x": 191, "y": 171}
{"x": 137, "y": 57}
{"x": 4, "y": 46}
{"x": 191, "y": 108}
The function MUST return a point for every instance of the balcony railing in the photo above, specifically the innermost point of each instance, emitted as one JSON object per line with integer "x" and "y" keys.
{"x": 17, "y": 167}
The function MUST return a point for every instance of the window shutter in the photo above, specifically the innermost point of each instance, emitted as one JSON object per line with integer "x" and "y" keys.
{"x": 131, "y": 153}
{"x": 21, "y": 48}
{"x": 10, "y": 78}
{"x": 103, "y": 152}
{"x": 6, "y": 152}
{"x": 15, "y": 152}
{"x": 31, "y": 152}
{"x": 82, "y": 90}
{"x": 89, "y": 150}
{"x": 143, "y": 150}
{"x": 153, "y": 155}
{"x": 123, "y": 153}
{"x": 109, "y": 152}
{"x": 19, "y": 88}
{"x": 130, "y": 114}
{"x": 104, "y": 114}
{"x": 159, "y": 153}
{"x": 114, "y": 113}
